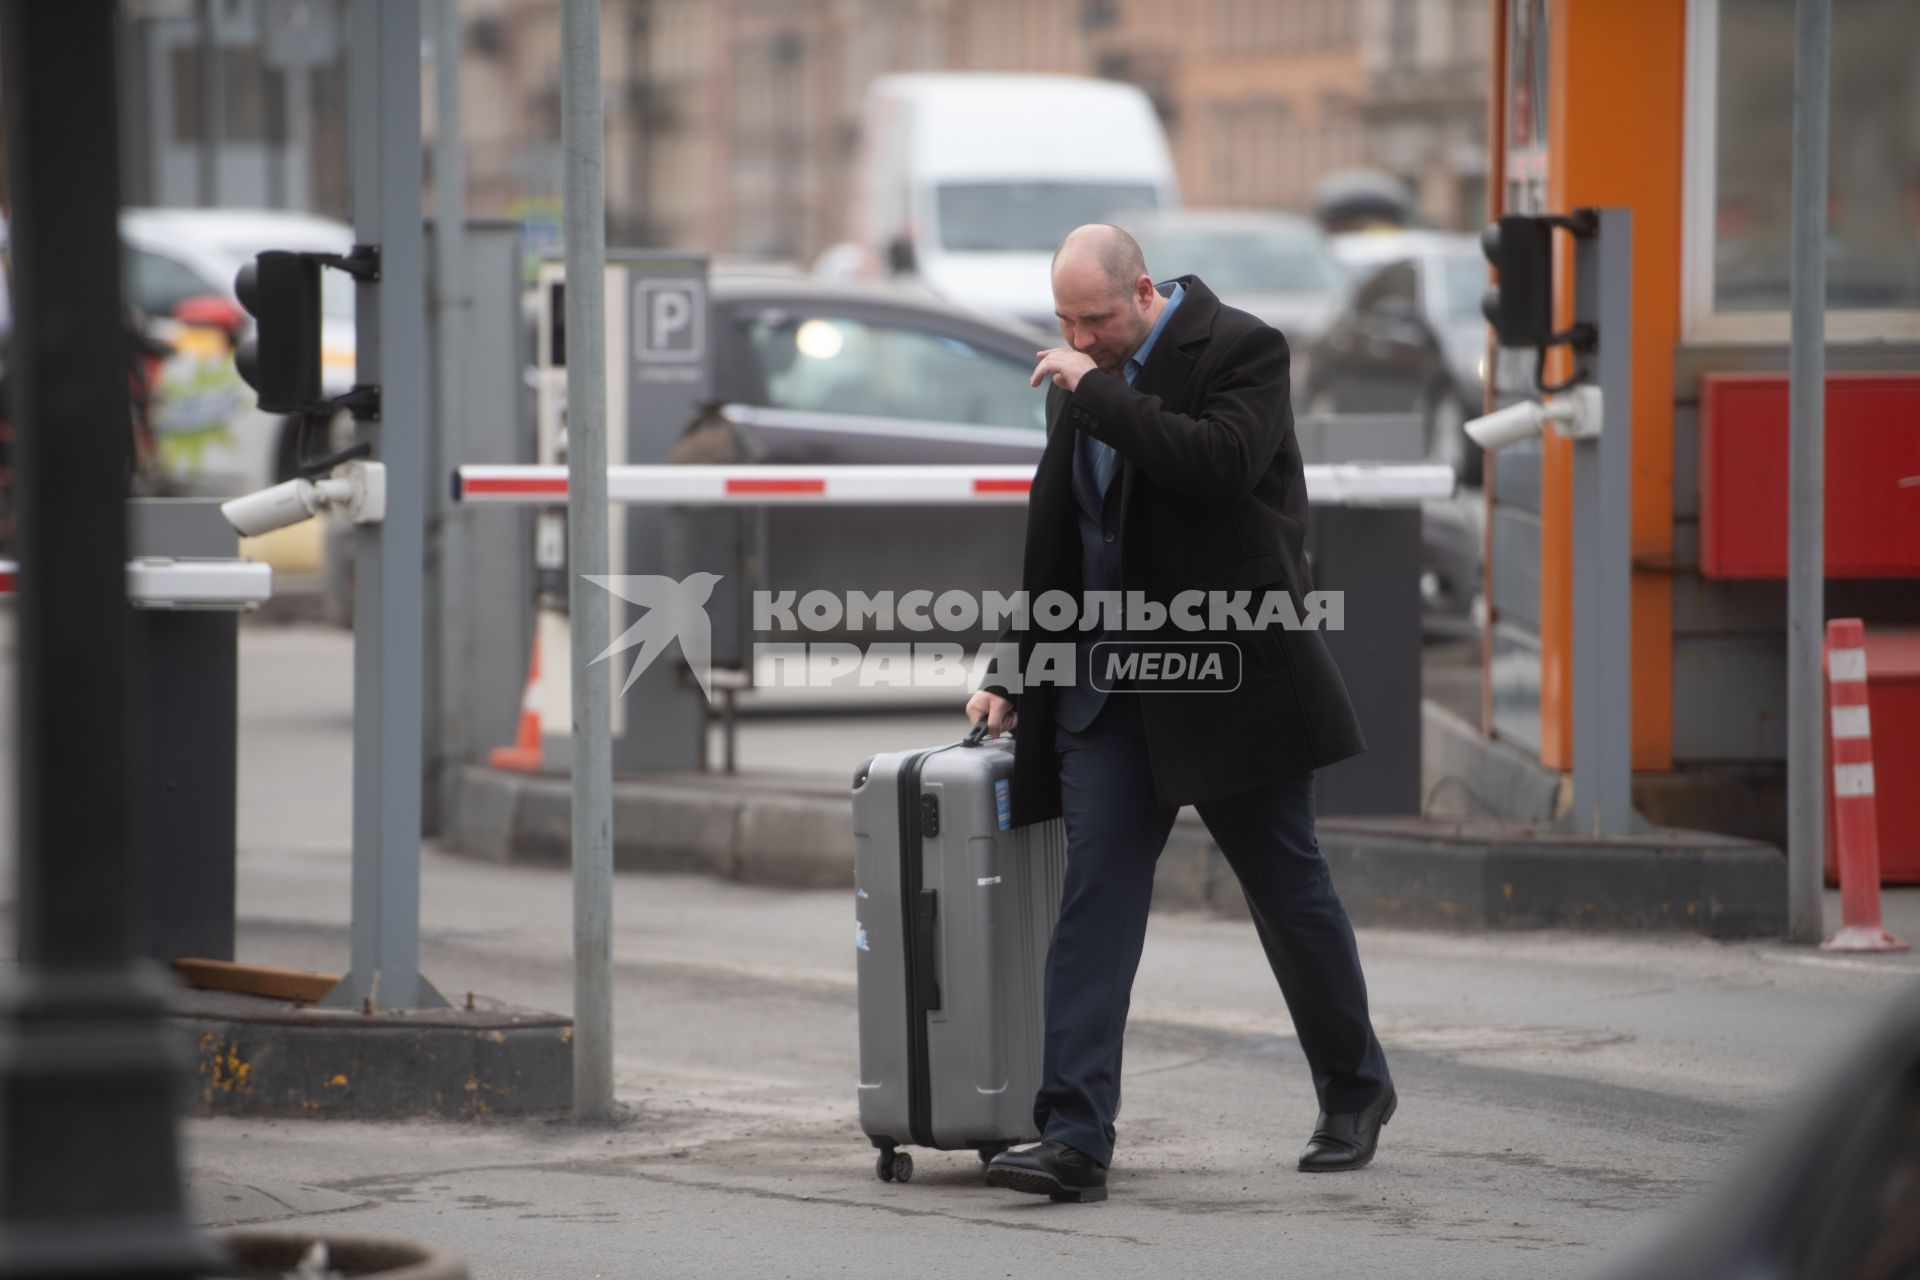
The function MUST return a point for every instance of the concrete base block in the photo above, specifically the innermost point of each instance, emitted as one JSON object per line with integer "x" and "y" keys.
{"x": 1464, "y": 873}
{"x": 482, "y": 822}
{"x": 258, "y": 1057}
{"x": 1482, "y": 875}
{"x": 797, "y": 841}
{"x": 1465, "y": 774}
{"x": 661, "y": 829}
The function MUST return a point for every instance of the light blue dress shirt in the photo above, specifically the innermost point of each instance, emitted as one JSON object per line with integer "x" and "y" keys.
{"x": 1100, "y": 454}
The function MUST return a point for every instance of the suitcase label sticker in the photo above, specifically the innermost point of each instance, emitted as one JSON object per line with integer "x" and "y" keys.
{"x": 1003, "y": 803}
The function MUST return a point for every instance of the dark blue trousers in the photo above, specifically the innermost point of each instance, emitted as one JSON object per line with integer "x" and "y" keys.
{"x": 1115, "y": 831}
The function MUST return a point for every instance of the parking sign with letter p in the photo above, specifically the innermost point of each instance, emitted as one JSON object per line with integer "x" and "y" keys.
{"x": 673, "y": 322}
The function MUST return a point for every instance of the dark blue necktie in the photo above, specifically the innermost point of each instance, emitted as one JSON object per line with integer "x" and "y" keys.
{"x": 1102, "y": 460}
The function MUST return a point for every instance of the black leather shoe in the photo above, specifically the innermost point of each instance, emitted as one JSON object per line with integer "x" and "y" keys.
{"x": 1050, "y": 1169}
{"x": 1347, "y": 1141}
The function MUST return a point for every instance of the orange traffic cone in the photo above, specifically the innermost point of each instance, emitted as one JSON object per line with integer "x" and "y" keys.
{"x": 524, "y": 754}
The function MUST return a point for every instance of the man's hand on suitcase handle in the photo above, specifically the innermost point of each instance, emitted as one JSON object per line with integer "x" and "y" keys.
{"x": 997, "y": 711}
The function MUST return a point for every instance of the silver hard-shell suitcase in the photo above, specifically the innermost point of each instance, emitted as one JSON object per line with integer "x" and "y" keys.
{"x": 954, "y": 909}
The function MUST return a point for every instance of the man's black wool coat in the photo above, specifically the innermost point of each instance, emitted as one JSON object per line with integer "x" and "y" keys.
{"x": 1213, "y": 498}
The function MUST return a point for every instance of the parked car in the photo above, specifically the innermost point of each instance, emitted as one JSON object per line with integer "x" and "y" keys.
{"x": 212, "y": 438}
{"x": 1412, "y": 338}
{"x": 819, "y": 372}
{"x": 1275, "y": 265}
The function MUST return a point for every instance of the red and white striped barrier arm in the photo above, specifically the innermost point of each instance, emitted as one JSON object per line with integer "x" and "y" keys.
{"x": 1856, "y": 831}
{"x": 1351, "y": 484}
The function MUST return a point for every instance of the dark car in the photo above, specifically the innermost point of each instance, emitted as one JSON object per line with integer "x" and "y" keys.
{"x": 1412, "y": 339}
{"x": 842, "y": 373}
{"x": 1275, "y": 265}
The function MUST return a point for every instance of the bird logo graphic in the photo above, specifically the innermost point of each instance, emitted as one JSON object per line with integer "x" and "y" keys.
{"x": 676, "y": 609}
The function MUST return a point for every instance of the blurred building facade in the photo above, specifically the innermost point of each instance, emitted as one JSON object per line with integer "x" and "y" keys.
{"x": 733, "y": 125}
{"x": 750, "y": 108}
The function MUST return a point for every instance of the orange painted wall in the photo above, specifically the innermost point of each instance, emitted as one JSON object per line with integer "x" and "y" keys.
{"x": 1616, "y": 83}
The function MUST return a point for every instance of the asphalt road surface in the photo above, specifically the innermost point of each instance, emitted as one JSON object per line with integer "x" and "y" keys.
{"x": 1561, "y": 1095}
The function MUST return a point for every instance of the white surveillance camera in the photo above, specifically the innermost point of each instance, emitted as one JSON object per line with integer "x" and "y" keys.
{"x": 1575, "y": 414}
{"x": 1507, "y": 426}
{"x": 357, "y": 491}
{"x": 270, "y": 509}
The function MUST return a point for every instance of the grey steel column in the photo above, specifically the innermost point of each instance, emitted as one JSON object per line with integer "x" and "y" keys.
{"x": 213, "y": 106}
{"x": 1603, "y": 541}
{"x": 449, "y": 216}
{"x": 1806, "y": 486}
{"x": 588, "y": 552}
{"x": 390, "y": 345}
{"x": 447, "y": 439}
{"x": 89, "y": 1162}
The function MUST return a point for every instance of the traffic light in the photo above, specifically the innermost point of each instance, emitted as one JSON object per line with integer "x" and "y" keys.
{"x": 1520, "y": 306}
{"x": 281, "y": 357}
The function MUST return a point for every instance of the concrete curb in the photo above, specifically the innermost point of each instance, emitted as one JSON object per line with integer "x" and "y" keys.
{"x": 1487, "y": 875}
{"x": 258, "y": 1057}
{"x": 797, "y": 831}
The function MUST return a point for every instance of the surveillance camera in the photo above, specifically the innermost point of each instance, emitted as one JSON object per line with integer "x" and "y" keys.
{"x": 270, "y": 509}
{"x": 358, "y": 491}
{"x": 1507, "y": 426}
{"x": 1575, "y": 414}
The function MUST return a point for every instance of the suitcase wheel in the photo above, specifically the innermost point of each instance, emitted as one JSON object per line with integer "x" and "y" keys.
{"x": 893, "y": 1166}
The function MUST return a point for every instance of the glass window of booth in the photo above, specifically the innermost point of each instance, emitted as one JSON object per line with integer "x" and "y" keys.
{"x": 1739, "y": 214}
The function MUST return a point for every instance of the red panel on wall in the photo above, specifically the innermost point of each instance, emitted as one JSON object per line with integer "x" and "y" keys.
{"x": 1873, "y": 443}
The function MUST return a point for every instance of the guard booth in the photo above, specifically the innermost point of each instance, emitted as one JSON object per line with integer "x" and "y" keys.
{"x": 1680, "y": 111}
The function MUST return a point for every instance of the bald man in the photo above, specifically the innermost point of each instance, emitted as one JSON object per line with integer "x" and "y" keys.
{"x": 1171, "y": 466}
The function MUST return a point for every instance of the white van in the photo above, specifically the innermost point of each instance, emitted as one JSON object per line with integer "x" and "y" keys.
{"x": 969, "y": 181}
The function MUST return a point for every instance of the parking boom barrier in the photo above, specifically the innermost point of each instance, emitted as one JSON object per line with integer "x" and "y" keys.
{"x": 545, "y": 697}
{"x": 1856, "y": 833}
{"x": 1350, "y": 484}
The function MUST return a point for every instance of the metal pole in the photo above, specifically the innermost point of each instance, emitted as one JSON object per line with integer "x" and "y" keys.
{"x": 273, "y": 128}
{"x": 1603, "y": 541}
{"x": 1806, "y": 506}
{"x": 388, "y": 648}
{"x": 587, "y": 545}
{"x": 451, "y": 302}
{"x": 89, "y": 1164}
{"x": 449, "y": 206}
{"x": 212, "y": 105}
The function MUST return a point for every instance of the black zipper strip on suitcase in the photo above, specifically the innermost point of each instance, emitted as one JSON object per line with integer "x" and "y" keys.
{"x": 919, "y": 1086}
{"x": 919, "y": 911}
